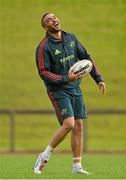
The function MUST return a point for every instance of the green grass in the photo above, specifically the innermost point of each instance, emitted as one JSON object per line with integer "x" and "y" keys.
{"x": 100, "y": 26}
{"x": 59, "y": 167}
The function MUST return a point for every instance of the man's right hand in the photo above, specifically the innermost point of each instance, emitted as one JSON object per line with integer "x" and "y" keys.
{"x": 74, "y": 77}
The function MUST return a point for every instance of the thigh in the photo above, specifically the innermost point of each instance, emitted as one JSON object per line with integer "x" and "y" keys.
{"x": 62, "y": 103}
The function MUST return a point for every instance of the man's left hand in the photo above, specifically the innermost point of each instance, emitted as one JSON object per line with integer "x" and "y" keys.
{"x": 102, "y": 87}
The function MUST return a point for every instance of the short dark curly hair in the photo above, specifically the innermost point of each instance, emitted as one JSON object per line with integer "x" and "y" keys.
{"x": 44, "y": 15}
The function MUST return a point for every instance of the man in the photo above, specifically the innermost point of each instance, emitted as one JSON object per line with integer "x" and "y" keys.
{"x": 56, "y": 53}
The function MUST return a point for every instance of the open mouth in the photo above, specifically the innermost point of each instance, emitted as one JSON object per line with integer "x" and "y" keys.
{"x": 56, "y": 25}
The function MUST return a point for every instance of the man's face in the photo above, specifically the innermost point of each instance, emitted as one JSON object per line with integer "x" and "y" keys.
{"x": 51, "y": 23}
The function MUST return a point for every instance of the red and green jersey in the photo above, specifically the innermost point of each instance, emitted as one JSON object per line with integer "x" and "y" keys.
{"x": 54, "y": 58}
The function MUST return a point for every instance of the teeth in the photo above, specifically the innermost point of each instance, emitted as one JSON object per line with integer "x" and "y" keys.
{"x": 56, "y": 25}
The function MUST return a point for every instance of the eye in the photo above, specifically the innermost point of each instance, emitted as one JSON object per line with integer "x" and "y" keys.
{"x": 55, "y": 18}
{"x": 50, "y": 19}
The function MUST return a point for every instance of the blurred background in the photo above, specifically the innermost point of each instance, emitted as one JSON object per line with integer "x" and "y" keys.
{"x": 101, "y": 27}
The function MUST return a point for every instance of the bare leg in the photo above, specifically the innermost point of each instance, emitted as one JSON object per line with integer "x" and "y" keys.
{"x": 68, "y": 125}
{"x": 77, "y": 140}
{"x": 77, "y": 146}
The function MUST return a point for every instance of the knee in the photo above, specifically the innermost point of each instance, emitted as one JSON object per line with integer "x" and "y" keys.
{"x": 78, "y": 125}
{"x": 68, "y": 124}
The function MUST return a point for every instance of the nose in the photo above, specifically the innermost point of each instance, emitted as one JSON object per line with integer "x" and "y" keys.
{"x": 54, "y": 20}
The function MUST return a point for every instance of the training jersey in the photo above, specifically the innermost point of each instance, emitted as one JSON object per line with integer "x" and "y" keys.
{"x": 54, "y": 57}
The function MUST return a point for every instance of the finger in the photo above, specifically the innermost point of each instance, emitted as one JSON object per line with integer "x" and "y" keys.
{"x": 79, "y": 76}
{"x": 103, "y": 90}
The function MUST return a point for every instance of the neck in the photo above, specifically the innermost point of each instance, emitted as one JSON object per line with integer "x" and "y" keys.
{"x": 56, "y": 35}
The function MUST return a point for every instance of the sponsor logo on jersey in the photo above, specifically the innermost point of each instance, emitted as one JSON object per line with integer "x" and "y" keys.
{"x": 68, "y": 58}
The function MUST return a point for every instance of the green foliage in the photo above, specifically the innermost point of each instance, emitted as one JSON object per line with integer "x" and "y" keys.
{"x": 59, "y": 167}
{"x": 100, "y": 26}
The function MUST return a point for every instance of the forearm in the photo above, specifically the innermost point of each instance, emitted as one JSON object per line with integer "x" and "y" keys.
{"x": 95, "y": 74}
{"x": 54, "y": 79}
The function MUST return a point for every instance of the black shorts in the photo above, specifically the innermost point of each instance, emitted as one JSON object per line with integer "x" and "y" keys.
{"x": 68, "y": 103}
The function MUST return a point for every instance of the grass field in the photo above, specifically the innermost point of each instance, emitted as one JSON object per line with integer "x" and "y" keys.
{"x": 100, "y": 26}
{"x": 59, "y": 167}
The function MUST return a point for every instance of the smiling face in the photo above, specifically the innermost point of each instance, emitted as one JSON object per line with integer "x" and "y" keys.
{"x": 51, "y": 23}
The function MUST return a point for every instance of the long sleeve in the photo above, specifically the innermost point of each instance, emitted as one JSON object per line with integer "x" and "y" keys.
{"x": 43, "y": 61}
{"x": 82, "y": 54}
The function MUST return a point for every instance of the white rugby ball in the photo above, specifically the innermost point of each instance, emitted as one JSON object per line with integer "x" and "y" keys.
{"x": 81, "y": 67}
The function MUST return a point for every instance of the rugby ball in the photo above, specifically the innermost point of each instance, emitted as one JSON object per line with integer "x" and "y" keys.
{"x": 81, "y": 67}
